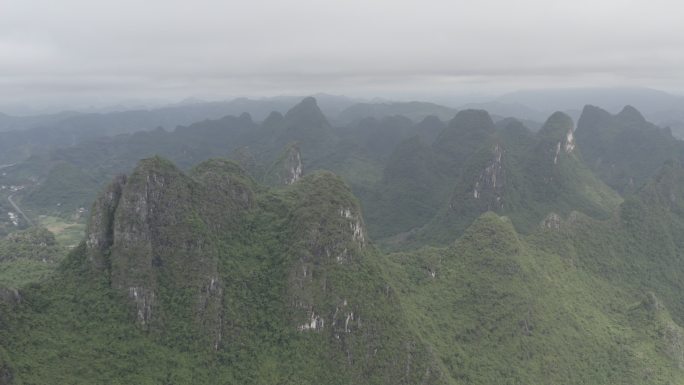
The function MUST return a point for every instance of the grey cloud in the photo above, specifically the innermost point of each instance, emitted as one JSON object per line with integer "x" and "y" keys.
{"x": 77, "y": 49}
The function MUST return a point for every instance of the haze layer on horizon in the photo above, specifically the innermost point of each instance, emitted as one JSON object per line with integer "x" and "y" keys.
{"x": 98, "y": 52}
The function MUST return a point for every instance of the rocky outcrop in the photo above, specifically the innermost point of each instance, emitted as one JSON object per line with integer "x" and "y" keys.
{"x": 287, "y": 169}
{"x": 552, "y": 221}
{"x": 10, "y": 296}
{"x": 210, "y": 258}
{"x": 330, "y": 238}
{"x": 558, "y": 136}
{"x": 670, "y": 336}
{"x": 490, "y": 183}
{"x": 100, "y": 231}
{"x": 569, "y": 141}
{"x": 482, "y": 187}
{"x": 150, "y": 204}
{"x": 153, "y": 235}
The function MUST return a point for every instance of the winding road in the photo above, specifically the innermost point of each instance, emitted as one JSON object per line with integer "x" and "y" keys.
{"x": 9, "y": 199}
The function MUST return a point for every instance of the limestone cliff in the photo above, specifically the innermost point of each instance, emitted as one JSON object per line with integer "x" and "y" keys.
{"x": 215, "y": 260}
{"x": 287, "y": 169}
{"x": 152, "y": 234}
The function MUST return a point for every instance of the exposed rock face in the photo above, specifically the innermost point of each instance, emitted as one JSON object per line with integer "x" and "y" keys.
{"x": 10, "y": 296}
{"x": 287, "y": 169}
{"x": 671, "y": 335}
{"x": 490, "y": 182}
{"x": 327, "y": 246}
{"x": 355, "y": 224}
{"x": 292, "y": 165}
{"x": 552, "y": 221}
{"x": 203, "y": 258}
{"x": 99, "y": 233}
{"x": 150, "y": 238}
{"x": 483, "y": 184}
{"x": 144, "y": 212}
{"x": 569, "y": 142}
{"x": 156, "y": 229}
{"x": 558, "y": 135}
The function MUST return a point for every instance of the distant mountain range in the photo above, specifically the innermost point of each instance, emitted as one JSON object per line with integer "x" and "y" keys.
{"x": 468, "y": 250}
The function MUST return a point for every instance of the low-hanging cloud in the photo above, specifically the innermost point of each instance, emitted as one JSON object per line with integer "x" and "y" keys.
{"x": 86, "y": 50}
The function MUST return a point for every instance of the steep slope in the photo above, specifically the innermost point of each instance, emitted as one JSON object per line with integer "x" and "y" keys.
{"x": 473, "y": 168}
{"x": 418, "y": 176}
{"x": 497, "y": 307}
{"x": 527, "y": 181}
{"x": 207, "y": 277}
{"x": 624, "y": 150}
{"x": 377, "y": 137}
{"x": 34, "y": 135}
{"x": 468, "y": 132}
{"x": 580, "y": 300}
{"x": 357, "y": 152}
{"x": 66, "y": 179}
{"x": 287, "y": 169}
{"x": 410, "y": 193}
{"x": 192, "y": 278}
{"x": 305, "y": 124}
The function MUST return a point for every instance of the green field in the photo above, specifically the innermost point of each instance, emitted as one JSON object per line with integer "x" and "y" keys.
{"x": 67, "y": 234}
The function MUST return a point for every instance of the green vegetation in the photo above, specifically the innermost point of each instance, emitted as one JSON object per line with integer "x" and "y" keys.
{"x": 513, "y": 262}
{"x": 501, "y": 308}
{"x": 624, "y": 150}
{"x": 216, "y": 277}
{"x": 20, "y": 272}
{"x": 36, "y": 243}
{"x": 65, "y": 190}
{"x": 28, "y": 256}
{"x": 235, "y": 283}
{"x": 67, "y": 233}
{"x": 431, "y": 194}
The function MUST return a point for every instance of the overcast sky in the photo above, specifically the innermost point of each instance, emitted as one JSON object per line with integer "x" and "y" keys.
{"x": 97, "y": 51}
